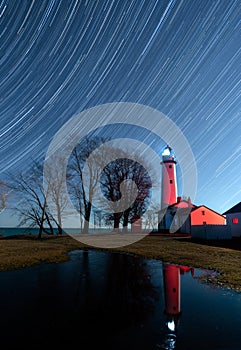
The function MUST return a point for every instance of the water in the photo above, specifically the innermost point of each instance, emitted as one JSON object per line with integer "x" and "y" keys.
{"x": 13, "y": 231}
{"x": 115, "y": 301}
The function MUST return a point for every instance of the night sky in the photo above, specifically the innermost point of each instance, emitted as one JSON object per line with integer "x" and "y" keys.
{"x": 60, "y": 57}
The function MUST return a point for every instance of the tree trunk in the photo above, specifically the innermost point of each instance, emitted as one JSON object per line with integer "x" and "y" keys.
{"x": 86, "y": 226}
{"x": 60, "y": 230}
{"x": 117, "y": 221}
{"x": 125, "y": 220}
{"x": 49, "y": 224}
{"x": 81, "y": 223}
{"x": 42, "y": 219}
{"x": 87, "y": 218}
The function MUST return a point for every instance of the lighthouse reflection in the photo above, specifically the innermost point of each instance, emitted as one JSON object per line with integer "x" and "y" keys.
{"x": 172, "y": 294}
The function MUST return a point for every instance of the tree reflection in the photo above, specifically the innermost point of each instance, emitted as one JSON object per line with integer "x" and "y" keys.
{"x": 129, "y": 282}
{"x": 115, "y": 292}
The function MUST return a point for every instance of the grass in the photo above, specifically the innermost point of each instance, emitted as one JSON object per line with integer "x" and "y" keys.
{"x": 221, "y": 256}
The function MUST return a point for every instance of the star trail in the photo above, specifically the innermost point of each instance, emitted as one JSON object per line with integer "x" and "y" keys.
{"x": 181, "y": 57}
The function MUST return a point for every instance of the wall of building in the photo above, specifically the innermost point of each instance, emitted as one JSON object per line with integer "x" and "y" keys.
{"x": 186, "y": 227}
{"x": 166, "y": 221}
{"x": 205, "y": 216}
{"x": 211, "y": 231}
{"x": 234, "y": 221}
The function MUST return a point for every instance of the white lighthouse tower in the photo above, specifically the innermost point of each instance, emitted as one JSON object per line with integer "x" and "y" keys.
{"x": 169, "y": 181}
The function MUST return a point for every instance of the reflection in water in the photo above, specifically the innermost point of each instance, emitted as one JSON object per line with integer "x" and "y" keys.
{"x": 96, "y": 299}
{"x": 120, "y": 288}
{"x": 172, "y": 291}
{"x": 115, "y": 301}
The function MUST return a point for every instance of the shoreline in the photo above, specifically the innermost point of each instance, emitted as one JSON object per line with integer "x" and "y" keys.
{"x": 220, "y": 257}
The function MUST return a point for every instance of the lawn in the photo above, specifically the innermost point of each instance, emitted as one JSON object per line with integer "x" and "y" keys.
{"x": 221, "y": 256}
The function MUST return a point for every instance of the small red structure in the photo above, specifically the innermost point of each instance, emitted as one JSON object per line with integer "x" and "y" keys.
{"x": 136, "y": 225}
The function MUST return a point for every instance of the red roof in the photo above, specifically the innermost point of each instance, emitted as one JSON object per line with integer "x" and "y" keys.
{"x": 192, "y": 206}
{"x": 175, "y": 205}
{"x": 200, "y": 206}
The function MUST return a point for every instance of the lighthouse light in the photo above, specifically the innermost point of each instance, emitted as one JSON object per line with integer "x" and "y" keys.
{"x": 166, "y": 152}
{"x": 171, "y": 326}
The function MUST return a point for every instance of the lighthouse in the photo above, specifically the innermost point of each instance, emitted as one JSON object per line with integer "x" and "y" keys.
{"x": 172, "y": 294}
{"x": 169, "y": 181}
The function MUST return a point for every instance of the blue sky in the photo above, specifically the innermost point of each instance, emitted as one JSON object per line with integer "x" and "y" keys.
{"x": 180, "y": 57}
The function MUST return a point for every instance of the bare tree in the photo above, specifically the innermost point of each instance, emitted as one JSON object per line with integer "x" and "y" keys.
{"x": 82, "y": 187}
{"x": 113, "y": 176}
{"x": 55, "y": 179}
{"x": 31, "y": 200}
{"x": 151, "y": 218}
{"x": 34, "y": 205}
{"x": 119, "y": 178}
{"x": 3, "y": 195}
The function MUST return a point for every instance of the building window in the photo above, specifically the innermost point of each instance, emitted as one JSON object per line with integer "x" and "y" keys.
{"x": 235, "y": 221}
{"x": 203, "y": 212}
{"x": 170, "y": 166}
{"x": 204, "y": 223}
{"x": 170, "y": 181}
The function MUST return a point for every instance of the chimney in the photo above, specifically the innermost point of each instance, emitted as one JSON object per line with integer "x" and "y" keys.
{"x": 179, "y": 199}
